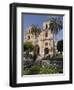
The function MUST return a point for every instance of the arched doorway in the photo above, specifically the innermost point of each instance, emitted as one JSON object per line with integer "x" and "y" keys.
{"x": 37, "y": 49}
{"x": 46, "y": 51}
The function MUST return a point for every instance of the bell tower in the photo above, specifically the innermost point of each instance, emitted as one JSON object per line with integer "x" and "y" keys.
{"x": 46, "y": 25}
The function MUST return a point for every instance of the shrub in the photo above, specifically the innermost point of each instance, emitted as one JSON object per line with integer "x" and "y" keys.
{"x": 42, "y": 70}
{"x": 48, "y": 70}
{"x": 35, "y": 70}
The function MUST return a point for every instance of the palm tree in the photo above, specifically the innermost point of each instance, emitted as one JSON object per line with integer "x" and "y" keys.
{"x": 35, "y": 30}
{"x": 56, "y": 24}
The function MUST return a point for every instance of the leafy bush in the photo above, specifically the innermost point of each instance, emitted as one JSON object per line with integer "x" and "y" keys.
{"x": 28, "y": 46}
{"x": 42, "y": 70}
{"x": 34, "y": 70}
{"x": 48, "y": 70}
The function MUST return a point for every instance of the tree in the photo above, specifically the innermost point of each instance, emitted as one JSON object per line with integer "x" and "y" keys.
{"x": 35, "y": 30}
{"x": 28, "y": 46}
{"x": 60, "y": 46}
{"x": 56, "y": 24}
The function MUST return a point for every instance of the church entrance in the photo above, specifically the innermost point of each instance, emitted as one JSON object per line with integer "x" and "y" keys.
{"x": 46, "y": 51}
{"x": 37, "y": 49}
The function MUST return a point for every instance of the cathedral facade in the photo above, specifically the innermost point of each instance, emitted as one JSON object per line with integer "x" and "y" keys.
{"x": 43, "y": 41}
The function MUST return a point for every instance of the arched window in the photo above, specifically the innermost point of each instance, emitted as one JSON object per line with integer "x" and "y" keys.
{"x": 46, "y": 34}
{"x": 28, "y": 37}
{"x": 46, "y": 43}
{"x": 46, "y": 51}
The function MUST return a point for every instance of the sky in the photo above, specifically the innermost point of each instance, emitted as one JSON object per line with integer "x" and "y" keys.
{"x": 36, "y": 19}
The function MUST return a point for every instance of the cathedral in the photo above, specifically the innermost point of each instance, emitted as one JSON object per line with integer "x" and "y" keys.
{"x": 43, "y": 41}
